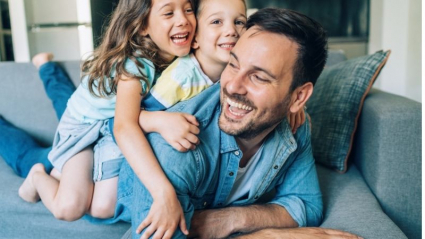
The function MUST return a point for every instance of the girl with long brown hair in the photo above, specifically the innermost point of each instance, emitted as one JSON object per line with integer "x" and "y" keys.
{"x": 144, "y": 37}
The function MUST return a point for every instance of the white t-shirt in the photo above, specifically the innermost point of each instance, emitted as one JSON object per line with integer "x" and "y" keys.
{"x": 244, "y": 179}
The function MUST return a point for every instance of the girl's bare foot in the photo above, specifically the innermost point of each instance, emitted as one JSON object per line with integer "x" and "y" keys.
{"x": 42, "y": 58}
{"x": 27, "y": 190}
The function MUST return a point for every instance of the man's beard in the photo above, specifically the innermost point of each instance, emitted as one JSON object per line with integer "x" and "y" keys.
{"x": 253, "y": 128}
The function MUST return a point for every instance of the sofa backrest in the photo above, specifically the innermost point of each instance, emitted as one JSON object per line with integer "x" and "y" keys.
{"x": 23, "y": 101}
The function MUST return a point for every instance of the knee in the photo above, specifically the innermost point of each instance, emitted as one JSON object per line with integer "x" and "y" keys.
{"x": 103, "y": 210}
{"x": 69, "y": 210}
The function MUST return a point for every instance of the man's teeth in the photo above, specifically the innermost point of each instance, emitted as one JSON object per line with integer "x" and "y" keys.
{"x": 238, "y": 105}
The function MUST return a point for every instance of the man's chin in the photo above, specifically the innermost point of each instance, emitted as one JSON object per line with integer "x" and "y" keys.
{"x": 233, "y": 127}
{"x": 228, "y": 126}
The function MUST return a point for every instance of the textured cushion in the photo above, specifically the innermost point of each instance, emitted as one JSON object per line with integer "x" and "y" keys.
{"x": 336, "y": 105}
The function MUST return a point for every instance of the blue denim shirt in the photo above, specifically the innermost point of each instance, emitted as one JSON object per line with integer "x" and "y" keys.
{"x": 203, "y": 178}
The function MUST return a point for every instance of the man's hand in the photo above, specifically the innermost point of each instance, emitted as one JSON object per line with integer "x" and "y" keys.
{"x": 215, "y": 223}
{"x": 300, "y": 233}
{"x": 163, "y": 219}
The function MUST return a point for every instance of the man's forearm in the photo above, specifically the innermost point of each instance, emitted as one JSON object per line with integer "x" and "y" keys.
{"x": 219, "y": 223}
{"x": 256, "y": 217}
{"x": 299, "y": 233}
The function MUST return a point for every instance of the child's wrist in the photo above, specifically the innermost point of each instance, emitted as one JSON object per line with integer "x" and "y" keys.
{"x": 148, "y": 121}
{"x": 165, "y": 191}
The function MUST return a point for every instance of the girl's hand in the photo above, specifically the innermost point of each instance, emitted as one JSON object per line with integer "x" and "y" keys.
{"x": 296, "y": 120}
{"x": 179, "y": 130}
{"x": 163, "y": 218}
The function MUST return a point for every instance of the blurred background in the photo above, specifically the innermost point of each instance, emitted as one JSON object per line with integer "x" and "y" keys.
{"x": 71, "y": 29}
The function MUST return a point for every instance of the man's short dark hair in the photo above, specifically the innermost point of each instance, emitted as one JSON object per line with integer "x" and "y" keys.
{"x": 306, "y": 32}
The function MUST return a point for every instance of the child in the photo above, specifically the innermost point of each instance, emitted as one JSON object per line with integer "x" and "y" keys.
{"x": 142, "y": 39}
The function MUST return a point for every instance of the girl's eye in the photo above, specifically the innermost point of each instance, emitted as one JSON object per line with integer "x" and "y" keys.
{"x": 240, "y": 23}
{"x": 216, "y": 22}
{"x": 168, "y": 14}
{"x": 189, "y": 10}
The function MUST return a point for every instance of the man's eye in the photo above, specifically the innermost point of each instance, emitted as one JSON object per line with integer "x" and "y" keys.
{"x": 189, "y": 10}
{"x": 258, "y": 78}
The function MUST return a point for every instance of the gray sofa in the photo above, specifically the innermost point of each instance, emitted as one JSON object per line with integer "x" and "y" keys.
{"x": 378, "y": 197}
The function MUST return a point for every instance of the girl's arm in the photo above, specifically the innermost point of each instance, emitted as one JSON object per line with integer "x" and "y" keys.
{"x": 180, "y": 130}
{"x": 166, "y": 213}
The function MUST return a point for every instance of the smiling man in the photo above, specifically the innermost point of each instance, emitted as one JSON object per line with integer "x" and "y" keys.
{"x": 247, "y": 148}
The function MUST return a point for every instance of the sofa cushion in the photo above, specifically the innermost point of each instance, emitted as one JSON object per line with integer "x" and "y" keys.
{"x": 349, "y": 205}
{"x": 336, "y": 105}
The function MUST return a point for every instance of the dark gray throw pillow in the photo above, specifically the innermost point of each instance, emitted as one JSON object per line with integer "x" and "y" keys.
{"x": 336, "y": 104}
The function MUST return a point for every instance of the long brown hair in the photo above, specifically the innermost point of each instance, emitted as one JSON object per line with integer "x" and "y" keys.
{"x": 122, "y": 41}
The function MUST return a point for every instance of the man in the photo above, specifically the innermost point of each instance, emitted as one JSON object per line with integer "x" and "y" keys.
{"x": 247, "y": 148}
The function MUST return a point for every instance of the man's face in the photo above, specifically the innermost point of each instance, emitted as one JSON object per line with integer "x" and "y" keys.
{"x": 255, "y": 84}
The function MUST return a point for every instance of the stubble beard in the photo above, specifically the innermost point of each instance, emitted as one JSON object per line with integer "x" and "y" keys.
{"x": 253, "y": 128}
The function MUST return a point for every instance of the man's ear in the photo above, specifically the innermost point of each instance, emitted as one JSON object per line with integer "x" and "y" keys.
{"x": 195, "y": 44}
{"x": 300, "y": 97}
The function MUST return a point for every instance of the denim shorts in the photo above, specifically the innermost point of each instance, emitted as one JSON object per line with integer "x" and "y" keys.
{"x": 107, "y": 156}
{"x": 73, "y": 136}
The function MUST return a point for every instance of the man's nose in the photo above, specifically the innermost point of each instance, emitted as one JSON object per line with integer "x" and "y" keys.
{"x": 237, "y": 84}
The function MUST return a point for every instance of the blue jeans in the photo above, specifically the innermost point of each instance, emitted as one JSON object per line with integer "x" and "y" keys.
{"x": 19, "y": 149}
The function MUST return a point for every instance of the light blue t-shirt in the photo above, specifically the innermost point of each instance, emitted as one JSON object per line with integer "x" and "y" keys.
{"x": 87, "y": 108}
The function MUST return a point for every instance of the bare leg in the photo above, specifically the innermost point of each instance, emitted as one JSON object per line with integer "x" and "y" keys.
{"x": 70, "y": 198}
{"x": 27, "y": 190}
{"x": 104, "y": 198}
{"x": 56, "y": 174}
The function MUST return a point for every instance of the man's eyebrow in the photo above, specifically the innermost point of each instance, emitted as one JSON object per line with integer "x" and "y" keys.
{"x": 257, "y": 68}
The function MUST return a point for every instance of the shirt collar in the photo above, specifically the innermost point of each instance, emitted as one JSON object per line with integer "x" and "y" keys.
{"x": 227, "y": 143}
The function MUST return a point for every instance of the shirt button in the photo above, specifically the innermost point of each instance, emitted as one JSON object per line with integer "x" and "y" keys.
{"x": 237, "y": 153}
{"x": 231, "y": 174}
{"x": 276, "y": 167}
{"x": 256, "y": 197}
{"x": 205, "y": 204}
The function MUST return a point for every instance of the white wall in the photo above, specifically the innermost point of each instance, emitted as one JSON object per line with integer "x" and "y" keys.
{"x": 397, "y": 26}
{"x": 19, "y": 31}
{"x": 66, "y": 43}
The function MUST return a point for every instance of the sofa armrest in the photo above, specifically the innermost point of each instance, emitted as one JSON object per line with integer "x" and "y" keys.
{"x": 387, "y": 151}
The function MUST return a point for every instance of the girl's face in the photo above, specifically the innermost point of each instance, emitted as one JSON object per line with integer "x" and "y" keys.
{"x": 171, "y": 25}
{"x": 220, "y": 24}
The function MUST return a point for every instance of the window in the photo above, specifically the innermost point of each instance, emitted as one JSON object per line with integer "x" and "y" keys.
{"x": 6, "y": 46}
